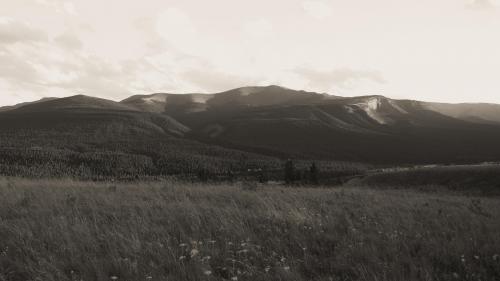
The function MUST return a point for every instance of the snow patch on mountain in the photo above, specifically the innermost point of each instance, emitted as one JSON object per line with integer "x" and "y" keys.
{"x": 201, "y": 98}
{"x": 155, "y": 98}
{"x": 371, "y": 107}
{"x": 349, "y": 109}
{"x": 246, "y": 91}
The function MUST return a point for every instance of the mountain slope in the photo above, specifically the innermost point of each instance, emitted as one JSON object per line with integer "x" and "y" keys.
{"x": 367, "y": 129}
{"x": 95, "y": 139}
{"x": 276, "y": 122}
{"x": 73, "y": 102}
{"x": 479, "y": 113}
{"x": 241, "y": 97}
{"x": 7, "y": 108}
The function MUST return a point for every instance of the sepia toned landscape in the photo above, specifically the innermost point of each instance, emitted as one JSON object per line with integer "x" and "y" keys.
{"x": 301, "y": 140}
{"x": 99, "y": 190}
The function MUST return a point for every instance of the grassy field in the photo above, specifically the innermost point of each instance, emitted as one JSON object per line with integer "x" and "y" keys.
{"x": 65, "y": 230}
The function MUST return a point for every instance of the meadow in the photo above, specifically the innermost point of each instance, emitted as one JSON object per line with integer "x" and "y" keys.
{"x": 170, "y": 230}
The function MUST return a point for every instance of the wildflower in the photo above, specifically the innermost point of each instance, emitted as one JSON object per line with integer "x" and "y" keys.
{"x": 194, "y": 252}
{"x": 234, "y": 278}
{"x": 267, "y": 268}
{"x": 286, "y": 268}
{"x": 207, "y": 272}
{"x": 113, "y": 277}
{"x": 149, "y": 277}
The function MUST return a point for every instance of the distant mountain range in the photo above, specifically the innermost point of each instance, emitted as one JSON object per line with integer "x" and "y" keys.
{"x": 269, "y": 122}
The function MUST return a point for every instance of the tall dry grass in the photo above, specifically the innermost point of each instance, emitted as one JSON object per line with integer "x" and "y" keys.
{"x": 66, "y": 230}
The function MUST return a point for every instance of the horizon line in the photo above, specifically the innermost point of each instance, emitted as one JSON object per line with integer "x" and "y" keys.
{"x": 248, "y": 86}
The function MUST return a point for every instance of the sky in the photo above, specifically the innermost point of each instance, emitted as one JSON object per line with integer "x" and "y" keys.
{"x": 432, "y": 50}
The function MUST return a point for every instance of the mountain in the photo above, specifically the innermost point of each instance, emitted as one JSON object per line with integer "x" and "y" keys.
{"x": 81, "y": 115}
{"x": 72, "y": 103}
{"x": 246, "y": 97}
{"x": 474, "y": 112}
{"x": 7, "y": 108}
{"x": 92, "y": 138}
{"x": 250, "y": 126}
{"x": 371, "y": 129}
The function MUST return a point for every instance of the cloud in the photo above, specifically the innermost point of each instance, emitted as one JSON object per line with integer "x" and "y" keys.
{"x": 342, "y": 78}
{"x": 12, "y": 31}
{"x": 64, "y": 66}
{"x": 16, "y": 68}
{"x": 318, "y": 9}
{"x": 177, "y": 28}
{"x": 60, "y": 6}
{"x": 69, "y": 40}
{"x": 260, "y": 28}
{"x": 48, "y": 69}
{"x": 69, "y": 7}
{"x": 481, "y": 5}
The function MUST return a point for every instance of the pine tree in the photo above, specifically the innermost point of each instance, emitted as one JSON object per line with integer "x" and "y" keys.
{"x": 313, "y": 173}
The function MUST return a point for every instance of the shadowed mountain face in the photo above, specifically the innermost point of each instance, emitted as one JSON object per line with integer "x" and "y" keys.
{"x": 90, "y": 138}
{"x": 277, "y": 122}
{"x": 72, "y": 103}
{"x": 7, "y": 108}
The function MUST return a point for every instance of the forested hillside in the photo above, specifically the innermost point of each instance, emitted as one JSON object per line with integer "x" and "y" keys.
{"x": 245, "y": 132}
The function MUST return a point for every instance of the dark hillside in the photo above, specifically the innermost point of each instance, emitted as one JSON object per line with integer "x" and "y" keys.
{"x": 95, "y": 143}
{"x": 237, "y": 130}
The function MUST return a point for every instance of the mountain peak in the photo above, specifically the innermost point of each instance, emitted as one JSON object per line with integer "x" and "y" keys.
{"x": 73, "y": 102}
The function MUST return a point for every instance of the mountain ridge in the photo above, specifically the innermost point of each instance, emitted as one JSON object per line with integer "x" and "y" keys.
{"x": 270, "y": 121}
{"x": 73, "y": 102}
{"x": 254, "y": 96}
